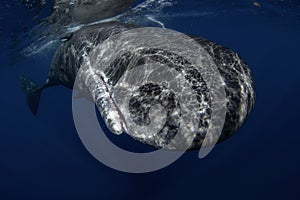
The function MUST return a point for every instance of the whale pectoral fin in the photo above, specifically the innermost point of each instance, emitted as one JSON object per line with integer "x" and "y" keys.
{"x": 33, "y": 93}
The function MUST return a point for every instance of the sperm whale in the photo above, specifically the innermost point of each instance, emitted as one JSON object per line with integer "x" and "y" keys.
{"x": 85, "y": 11}
{"x": 72, "y": 54}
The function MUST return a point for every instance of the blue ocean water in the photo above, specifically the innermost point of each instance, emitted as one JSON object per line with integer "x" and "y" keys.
{"x": 42, "y": 157}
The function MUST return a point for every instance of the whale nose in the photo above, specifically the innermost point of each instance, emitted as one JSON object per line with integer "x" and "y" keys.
{"x": 86, "y": 11}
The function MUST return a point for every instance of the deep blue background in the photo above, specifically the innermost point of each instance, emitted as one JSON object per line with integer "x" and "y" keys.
{"x": 42, "y": 157}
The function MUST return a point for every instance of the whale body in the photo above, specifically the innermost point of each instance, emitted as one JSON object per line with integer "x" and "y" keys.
{"x": 66, "y": 12}
{"x": 69, "y": 58}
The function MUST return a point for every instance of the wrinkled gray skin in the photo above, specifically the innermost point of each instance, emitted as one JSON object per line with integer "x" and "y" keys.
{"x": 86, "y": 11}
{"x": 70, "y": 55}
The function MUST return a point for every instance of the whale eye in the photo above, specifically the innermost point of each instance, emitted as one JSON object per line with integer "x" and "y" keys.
{"x": 66, "y": 37}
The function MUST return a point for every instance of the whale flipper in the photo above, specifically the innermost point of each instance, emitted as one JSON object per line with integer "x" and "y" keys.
{"x": 32, "y": 91}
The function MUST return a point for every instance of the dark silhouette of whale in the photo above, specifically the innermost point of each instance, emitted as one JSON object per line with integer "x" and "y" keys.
{"x": 66, "y": 12}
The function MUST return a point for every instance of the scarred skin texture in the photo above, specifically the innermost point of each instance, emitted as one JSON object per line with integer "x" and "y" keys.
{"x": 76, "y": 52}
{"x": 239, "y": 86}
